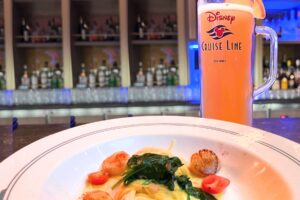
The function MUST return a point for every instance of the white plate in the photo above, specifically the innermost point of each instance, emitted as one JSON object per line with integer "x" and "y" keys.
{"x": 260, "y": 165}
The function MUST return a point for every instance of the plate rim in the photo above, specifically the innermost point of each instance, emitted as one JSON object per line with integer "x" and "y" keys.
{"x": 173, "y": 121}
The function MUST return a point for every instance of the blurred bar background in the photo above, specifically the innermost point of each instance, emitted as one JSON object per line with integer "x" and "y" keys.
{"x": 103, "y": 59}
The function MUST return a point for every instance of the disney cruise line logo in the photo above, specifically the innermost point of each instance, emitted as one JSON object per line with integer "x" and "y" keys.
{"x": 218, "y": 32}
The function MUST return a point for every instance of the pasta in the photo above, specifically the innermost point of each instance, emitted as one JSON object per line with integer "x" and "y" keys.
{"x": 165, "y": 177}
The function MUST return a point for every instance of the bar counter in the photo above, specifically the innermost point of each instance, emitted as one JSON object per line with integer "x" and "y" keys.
{"x": 11, "y": 141}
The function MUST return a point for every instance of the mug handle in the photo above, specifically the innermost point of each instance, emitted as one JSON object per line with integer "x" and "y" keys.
{"x": 268, "y": 33}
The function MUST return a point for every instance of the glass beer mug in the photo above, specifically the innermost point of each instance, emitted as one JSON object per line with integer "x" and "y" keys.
{"x": 226, "y": 46}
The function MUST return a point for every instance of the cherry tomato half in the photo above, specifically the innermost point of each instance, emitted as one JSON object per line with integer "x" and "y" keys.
{"x": 214, "y": 184}
{"x": 98, "y": 178}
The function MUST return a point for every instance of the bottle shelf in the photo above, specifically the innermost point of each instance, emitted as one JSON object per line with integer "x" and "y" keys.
{"x": 38, "y": 45}
{"x": 157, "y": 35}
{"x": 102, "y": 37}
{"x": 32, "y": 1}
{"x": 96, "y": 43}
{"x": 284, "y": 42}
{"x": 154, "y": 42}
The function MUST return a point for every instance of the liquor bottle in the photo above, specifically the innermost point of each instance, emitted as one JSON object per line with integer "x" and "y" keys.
{"x": 297, "y": 74}
{"x": 284, "y": 82}
{"x": 111, "y": 29}
{"x": 276, "y": 23}
{"x": 54, "y": 82}
{"x": 290, "y": 66}
{"x": 82, "y": 77}
{"x": 292, "y": 80}
{"x": 59, "y": 31}
{"x": 49, "y": 32}
{"x": 172, "y": 77}
{"x": 49, "y": 74}
{"x": 149, "y": 77}
{"x": 175, "y": 76}
{"x": 34, "y": 80}
{"x": 44, "y": 76}
{"x": 291, "y": 26}
{"x": 140, "y": 28}
{"x": 284, "y": 62}
{"x": 36, "y": 34}
{"x": 159, "y": 73}
{"x": 164, "y": 69}
{"x": 168, "y": 27}
{"x": 169, "y": 78}
{"x": 282, "y": 74}
{"x": 2, "y": 79}
{"x": 108, "y": 72}
{"x": 280, "y": 32}
{"x": 117, "y": 30}
{"x": 93, "y": 31}
{"x": 298, "y": 25}
{"x": 162, "y": 32}
{"x": 92, "y": 78}
{"x": 25, "y": 81}
{"x": 151, "y": 31}
{"x": 285, "y": 23}
{"x": 102, "y": 79}
{"x": 25, "y": 31}
{"x": 174, "y": 30}
{"x": 140, "y": 77}
{"x": 116, "y": 72}
{"x": 112, "y": 79}
{"x": 83, "y": 29}
{"x": 290, "y": 74}
{"x": 54, "y": 30}
{"x": 59, "y": 73}
{"x": 276, "y": 84}
{"x": 57, "y": 80}
{"x": 106, "y": 30}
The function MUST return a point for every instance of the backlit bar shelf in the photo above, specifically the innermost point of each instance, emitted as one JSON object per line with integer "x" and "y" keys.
{"x": 122, "y": 95}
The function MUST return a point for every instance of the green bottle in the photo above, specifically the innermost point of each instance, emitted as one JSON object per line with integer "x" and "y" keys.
{"x": 112, "y": 80}
{"x": 2, "y": 84}
{"x": 2, "y": 79}
{"x": 169, "y": 78}
{"x": 57, "y": 81}
{"x": 116, "y": 75}
{"x": 174, "y": 74}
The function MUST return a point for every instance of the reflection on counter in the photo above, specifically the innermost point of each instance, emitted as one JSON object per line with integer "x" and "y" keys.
{"x": 121, "y": 95}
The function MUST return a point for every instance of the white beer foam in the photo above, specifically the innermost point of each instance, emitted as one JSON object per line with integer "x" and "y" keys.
{"x": 223, "y": 6}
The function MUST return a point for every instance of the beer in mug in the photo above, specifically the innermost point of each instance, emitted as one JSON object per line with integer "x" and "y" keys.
{"x": 226, "y": 43}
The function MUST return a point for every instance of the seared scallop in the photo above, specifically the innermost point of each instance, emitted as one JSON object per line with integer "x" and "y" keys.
{"x": 204, "y": 162}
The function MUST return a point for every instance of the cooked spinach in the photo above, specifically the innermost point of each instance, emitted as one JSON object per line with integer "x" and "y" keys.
{"x": 152, "y": 167}
{"x": 185, "y": 184}
{"x": 155, "y": 168}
